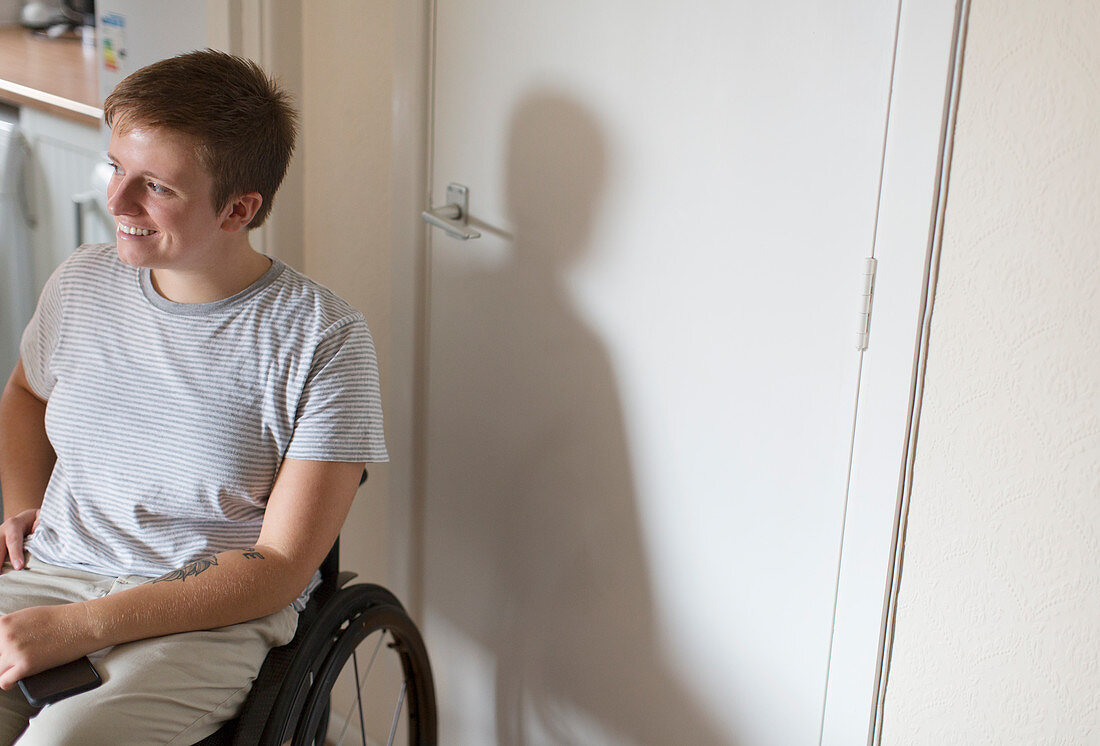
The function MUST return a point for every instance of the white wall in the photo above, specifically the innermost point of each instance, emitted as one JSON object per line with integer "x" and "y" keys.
{"x": 998, "y": 631}
{"x": 346, "y": 153}
{"x": 10, "y": 11}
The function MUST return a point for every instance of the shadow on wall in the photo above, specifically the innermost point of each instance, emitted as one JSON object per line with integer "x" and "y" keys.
{"x": 533, "y": 545}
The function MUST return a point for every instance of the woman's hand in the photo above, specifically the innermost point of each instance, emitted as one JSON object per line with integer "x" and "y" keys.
{"x": 41, "y": 637}
{"x": 12, "y": 533}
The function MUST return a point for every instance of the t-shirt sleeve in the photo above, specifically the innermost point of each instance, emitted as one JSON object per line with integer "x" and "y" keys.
{"x": 339, "y": 415}
{"x": 41, "y": 337}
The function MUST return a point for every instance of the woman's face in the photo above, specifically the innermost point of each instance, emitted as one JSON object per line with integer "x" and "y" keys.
{"x": 161, "y": 199}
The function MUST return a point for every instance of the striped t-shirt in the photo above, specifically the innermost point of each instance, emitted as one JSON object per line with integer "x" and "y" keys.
{"x": 170, "y": 421}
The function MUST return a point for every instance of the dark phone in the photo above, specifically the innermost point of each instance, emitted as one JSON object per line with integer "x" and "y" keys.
{"x": 60, "y": 682}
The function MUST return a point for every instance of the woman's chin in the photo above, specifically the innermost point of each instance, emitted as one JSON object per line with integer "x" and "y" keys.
{"x": 132, "y": 255}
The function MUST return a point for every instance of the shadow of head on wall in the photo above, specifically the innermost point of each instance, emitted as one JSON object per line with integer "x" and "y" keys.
{"x": 534, "y": 547}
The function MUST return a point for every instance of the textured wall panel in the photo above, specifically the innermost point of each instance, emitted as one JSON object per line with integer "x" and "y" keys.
{"x": 998, "y": 632}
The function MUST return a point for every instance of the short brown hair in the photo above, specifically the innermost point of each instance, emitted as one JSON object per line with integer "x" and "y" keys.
{"x": 243, "y": 124}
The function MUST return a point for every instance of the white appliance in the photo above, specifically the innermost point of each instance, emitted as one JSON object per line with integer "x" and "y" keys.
{"x": 16, "y": 280}
{"x": 133, "y": 33}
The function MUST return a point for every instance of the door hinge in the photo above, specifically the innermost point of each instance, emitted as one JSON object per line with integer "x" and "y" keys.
{"x": 869, "y": 266}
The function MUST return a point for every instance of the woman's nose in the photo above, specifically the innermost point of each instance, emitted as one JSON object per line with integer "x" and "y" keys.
{"x": 119, "y": 201}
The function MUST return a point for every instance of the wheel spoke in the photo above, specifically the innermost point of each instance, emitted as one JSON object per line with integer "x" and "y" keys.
{"x": 344, "y": 732}
{"x": 359, "y": 684}
{"x": 359, "y": 697}
{"x": 397, "y": 713}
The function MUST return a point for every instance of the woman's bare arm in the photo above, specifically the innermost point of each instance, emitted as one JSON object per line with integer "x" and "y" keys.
{"x": 26, "y": 462}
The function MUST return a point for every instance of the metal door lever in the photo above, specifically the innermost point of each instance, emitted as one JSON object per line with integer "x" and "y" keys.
{"x": 81, "y": 201}
{"x": 452, "y": 216}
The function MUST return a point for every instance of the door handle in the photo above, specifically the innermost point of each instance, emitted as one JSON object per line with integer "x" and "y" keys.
{"x": 452, "y": 217}
{"x": 81, "y": 201}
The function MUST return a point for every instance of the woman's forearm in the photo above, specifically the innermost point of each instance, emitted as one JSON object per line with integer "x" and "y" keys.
{"x": 224, "y": 589}
{"x": 216, "y": 591}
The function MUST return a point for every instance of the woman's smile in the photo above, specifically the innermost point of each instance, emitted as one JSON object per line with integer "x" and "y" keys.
{"x": 131, "y": 230}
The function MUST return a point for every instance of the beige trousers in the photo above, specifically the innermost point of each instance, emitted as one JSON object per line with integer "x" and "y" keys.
{"x": 174, "y": 690}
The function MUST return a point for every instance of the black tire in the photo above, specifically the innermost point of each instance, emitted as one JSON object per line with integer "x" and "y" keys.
{"x": 353, "y": 613}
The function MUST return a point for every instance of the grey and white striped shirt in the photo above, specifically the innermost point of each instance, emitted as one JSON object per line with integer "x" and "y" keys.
{"x": 170, "y": 421}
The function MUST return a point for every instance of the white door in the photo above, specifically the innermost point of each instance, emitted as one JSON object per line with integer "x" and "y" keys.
{"x": 642, "y": 377}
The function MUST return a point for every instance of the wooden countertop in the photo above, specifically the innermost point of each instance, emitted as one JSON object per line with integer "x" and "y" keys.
{"x": 55, "y": 75}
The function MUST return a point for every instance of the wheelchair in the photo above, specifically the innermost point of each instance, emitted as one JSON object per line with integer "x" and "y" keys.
{"x": 290, "y": 699}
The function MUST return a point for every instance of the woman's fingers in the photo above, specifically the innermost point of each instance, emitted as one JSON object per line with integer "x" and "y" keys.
{"x": 14, "y": 530}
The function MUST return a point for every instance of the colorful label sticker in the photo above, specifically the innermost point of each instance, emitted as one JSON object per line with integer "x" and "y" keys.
{"x": 112, "y": 29}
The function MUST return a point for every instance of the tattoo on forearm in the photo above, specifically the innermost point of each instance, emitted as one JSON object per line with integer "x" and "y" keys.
{"x": 191, "y": 569}
{"x": 199, "y": 566}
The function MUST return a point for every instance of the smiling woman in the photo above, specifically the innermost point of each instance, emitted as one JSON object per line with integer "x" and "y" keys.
{"x": 138, "y": 532}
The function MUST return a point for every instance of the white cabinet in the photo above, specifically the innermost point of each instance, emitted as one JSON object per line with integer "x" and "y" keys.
{"x": 16, "y": 284}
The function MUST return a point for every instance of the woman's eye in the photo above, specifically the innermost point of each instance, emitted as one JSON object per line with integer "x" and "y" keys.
{"x": 114, "y": 167}
{"x": 157, "y": 188}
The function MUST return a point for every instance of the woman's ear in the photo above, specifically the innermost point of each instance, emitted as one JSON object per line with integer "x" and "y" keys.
{"x": 240, "y": 211}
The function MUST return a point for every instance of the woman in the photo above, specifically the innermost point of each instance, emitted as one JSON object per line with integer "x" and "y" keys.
{"x": 184, "y": 433}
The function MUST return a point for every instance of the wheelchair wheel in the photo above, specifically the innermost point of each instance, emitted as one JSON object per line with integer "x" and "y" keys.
{"x": 367, "y": 657}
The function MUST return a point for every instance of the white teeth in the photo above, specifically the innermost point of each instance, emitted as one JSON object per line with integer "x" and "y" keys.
{"x": 135, "y": 231}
